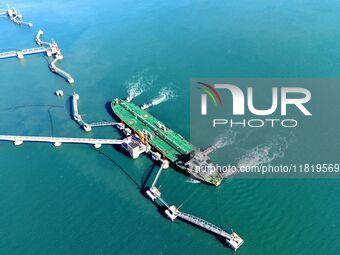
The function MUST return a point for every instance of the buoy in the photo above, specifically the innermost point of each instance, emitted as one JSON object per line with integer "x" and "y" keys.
{"x": 59, "y": 93}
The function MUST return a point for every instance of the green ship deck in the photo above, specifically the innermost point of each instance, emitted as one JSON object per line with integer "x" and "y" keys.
{"x": 172, "y": 145}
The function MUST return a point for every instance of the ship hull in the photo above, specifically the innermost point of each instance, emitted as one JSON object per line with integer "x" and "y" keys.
{"x": 167, "y": 142}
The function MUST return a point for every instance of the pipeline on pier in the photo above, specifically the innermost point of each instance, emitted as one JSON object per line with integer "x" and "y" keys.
{"x": 57, "y": 141}
{"x": 20, "y": 54}
{"x": 38, "y": 39}
{"x": 51, "y": 49}
{"x": 87, "y": 126}
{"x": 157, "y": 176}
{"x": 59, "y": 71}
{"x": 231, "y": 239}
{"x": 56, "y": 52}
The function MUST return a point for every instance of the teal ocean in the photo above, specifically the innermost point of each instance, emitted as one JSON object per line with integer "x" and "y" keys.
{"x": 78, "y": 200}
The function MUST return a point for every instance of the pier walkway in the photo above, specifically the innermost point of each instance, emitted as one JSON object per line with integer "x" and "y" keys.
{"x": 102, "y": 124}
{"x": 57, "y": 141}
{"x": 15, "y": 16}
{"x": 203, "y": 224}
{"x": 22, "y": 53}
{"x": 38, "y": 39}
{"x": 157, "y": 176}
{"x": 59, "y": 71}
{"x": 51, "y": 49}
{"x": 233, "y": 240}
{"x": 172, "y": 212}
{"x": 87, "y": 126}
{"x": 197, "y": 221}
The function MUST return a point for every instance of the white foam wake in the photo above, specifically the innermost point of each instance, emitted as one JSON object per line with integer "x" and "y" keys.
{"x": 164, "y": 95}
{"x": 225, "y": 139}
{"x": 264, "y": 153}
{"x": 137, "y": 85}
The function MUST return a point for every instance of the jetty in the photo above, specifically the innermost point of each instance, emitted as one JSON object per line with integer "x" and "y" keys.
{"x": 172, "y": 212}
{"x": 57, "y": 141}
{"x": 233, "y": 240}
{"x": 142, "y": 134}
{"x": 21, "y": 53}
{"x": 51, "y": 49}
{"x": 59, "y": 71}
{"x": 78, "y": 118}
{"x": 140, "y": 144}
{"x": 15, "y": 16}
{"x": 56, "y": 52}
{"x": 135, "y": 144}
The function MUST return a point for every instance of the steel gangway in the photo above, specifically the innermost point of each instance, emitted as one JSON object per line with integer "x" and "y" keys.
{"x": 31, "y": 51}
{"x": 36, "y": 50}
{"x": 163, "y": 202}
{"x": 8, "y": 54}
{"x": 102, "y": 124}
{"x": 20, "y": 22}
{"x": 203, "y": 224}
{"x": 87, "y": 126}
{"x": 38, "y": 39}
{"x": 59, "y": 71}
{"x": 188, "y": 217}
{"x": 157, "y": 176}
{"x": 233, "y": 240}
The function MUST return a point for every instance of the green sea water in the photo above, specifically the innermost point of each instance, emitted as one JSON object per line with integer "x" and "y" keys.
{"x": 78, "y": 200}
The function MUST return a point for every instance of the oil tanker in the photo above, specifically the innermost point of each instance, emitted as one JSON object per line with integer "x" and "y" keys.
{"x": 171, "y": 145}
